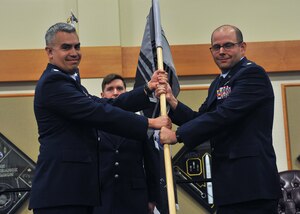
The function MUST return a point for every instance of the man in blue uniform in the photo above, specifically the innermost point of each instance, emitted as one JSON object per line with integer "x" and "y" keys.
{"x": 129, "y": 169}
{"x": 237, "y": 118}
{"x": 67, "y": 173}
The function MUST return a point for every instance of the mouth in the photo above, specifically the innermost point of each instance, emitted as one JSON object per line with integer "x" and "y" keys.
{"x": 223, "y": 60}
{"x": 73, "y": 61}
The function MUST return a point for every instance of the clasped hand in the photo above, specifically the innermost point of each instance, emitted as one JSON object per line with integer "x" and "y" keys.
{"x": 159, "y": 78}
{"x": 167, "y": 136}
{"x": 159, "y": 83}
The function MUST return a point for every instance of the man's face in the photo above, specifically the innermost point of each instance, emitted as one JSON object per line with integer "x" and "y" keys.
{"x": 229, "y": 55}
{"x": 113, "y": 89}
{"x": 64, "y": 51}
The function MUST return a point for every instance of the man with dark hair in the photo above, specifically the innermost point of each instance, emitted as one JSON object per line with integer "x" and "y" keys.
{"x": 237, "y": 118}
{"x": 67, "y": 173}
{"x": 129, "y": 169}
{"x": 110, "y": 78}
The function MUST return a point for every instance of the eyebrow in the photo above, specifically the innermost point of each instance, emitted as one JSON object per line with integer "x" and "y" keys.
{"x": 112, "y": 87}
{"x": 70, "y": 45}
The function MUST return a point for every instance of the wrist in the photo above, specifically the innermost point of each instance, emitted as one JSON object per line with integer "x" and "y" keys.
{"x": 173, "y": 102}
{"x": 150, "y": 123}
{"x": 148, "y": 90}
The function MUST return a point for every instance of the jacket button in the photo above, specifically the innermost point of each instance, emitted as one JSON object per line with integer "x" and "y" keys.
{"x": 116, "y": 163}
{"x": 116, "y": 176}
{"x": 117, "y": 151}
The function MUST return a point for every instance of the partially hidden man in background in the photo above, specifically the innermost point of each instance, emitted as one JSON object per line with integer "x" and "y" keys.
{"x": 68, "y": 117}
{"x": 237, "y": 118}
{"x": 129, "y": 169}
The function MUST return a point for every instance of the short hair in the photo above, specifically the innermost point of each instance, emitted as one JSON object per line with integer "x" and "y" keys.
{"x": 110, "y": 77}
{"x": 58, "y": 27}
{"x": 238, "y": 32}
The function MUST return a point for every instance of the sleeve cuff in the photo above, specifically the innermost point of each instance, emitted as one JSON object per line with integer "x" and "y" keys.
{"x": 179, "y": 139}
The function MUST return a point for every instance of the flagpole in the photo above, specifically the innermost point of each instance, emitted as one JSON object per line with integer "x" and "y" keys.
{"x": 167, "y": 153}
{"x": 163, "y": 109}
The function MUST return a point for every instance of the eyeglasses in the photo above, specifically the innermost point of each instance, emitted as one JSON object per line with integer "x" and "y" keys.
{"x": 227, "y": 46}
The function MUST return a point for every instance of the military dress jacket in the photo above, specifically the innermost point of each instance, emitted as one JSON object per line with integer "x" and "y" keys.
{"x": 67, "y": 171}
{"x": 129, "y": 175}
{"x": 237, "y": 118}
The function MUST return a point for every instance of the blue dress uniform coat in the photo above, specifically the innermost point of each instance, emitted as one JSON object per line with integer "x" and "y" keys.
{"x": 237, "y": 118}
{"x": 129, "y": 175}
{"x": 67, "y": 171}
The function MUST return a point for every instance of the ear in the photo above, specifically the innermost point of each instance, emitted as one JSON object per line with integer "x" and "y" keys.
{"x": 102, "y": 94}
{"x": 243, "y": 46}
{"x": 49, "y": 52}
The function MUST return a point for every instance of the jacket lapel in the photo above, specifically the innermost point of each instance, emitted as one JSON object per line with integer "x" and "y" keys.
{"x": 212, "y": 92}
{"x": 218, "y": 82}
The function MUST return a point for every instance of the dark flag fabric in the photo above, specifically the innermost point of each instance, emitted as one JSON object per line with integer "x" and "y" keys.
{"x": 147, "y": 64}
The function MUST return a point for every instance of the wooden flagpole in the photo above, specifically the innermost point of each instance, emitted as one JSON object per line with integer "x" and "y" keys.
{"x": 167, "y": 153}
{"x": 163, "y": 108}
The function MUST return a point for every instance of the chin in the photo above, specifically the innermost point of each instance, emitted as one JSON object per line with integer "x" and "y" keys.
{"x": 224, "y": 67}
{"x": 71, "y": 69}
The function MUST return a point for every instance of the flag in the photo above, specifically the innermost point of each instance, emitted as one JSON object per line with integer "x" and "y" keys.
{"x": 72, "y": 20}
{"x": 147, "y": 64}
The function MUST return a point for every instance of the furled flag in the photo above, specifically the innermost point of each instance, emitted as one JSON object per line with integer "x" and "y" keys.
{"x": 72, "y": 20}
{"x": 147, "y": 64}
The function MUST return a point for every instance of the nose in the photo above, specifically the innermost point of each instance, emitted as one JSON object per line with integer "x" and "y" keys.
{"x": 221, "y": 49}
{"x": 116, "y": 92}
{"x": 73, "y": 52}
